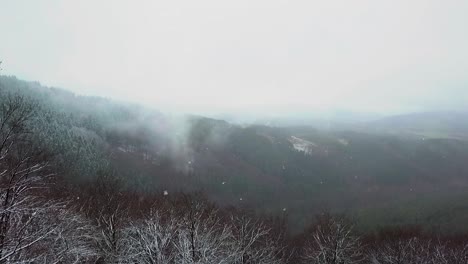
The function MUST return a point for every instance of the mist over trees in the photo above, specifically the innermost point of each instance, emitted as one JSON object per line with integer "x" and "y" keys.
{"x": 87, "y": 180}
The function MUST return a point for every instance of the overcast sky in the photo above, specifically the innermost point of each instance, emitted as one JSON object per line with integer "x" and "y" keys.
{"x": 264, "y": 55}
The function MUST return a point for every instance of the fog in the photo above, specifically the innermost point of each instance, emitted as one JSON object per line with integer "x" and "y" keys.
{"x": 265, "y": 57}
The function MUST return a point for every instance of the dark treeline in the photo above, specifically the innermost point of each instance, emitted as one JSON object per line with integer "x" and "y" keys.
{"x": 46, "y": 218}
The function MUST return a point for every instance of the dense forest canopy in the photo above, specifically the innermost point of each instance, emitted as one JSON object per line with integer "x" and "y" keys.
{"x": 304, "y": 170}
{"x": 110, "y": 182}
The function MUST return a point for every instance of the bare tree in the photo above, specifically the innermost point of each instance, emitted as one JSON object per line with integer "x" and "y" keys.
{"x": 253, "y": 241}
{"x": 111, "y": 225}
{"x": 458, "y": 254}
{"x": 418, "y": 251}
{"x": 102, "y": 202}
{"x": 33, "y": 229}
{"x": 202, "y": 236}
{"x": 150, "y": 241}
{"x": 333, "y": 243}
{"x": 71, "y": 239}
{"x": 23, "y": 169}
{"x": 24, "y": 232}
{"x": 189, "y": 231}
{"x": 408, "y": 251}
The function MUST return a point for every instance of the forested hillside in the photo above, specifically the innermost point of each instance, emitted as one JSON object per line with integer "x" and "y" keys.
{"x": 298, "y": 169}
{"x": 89, "y": 180}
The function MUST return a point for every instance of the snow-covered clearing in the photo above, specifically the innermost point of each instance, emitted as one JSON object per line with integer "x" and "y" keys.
{"x": 302, "y": 145}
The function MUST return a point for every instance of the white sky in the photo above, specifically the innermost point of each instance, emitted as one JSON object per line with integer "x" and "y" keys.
{"x": 250, "y": 55}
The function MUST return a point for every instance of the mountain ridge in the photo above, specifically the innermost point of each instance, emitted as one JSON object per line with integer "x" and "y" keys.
{"x": 257, "y": 166}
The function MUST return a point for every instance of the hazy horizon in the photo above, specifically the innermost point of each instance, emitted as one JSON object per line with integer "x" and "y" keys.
{"x": 245, "y": 57}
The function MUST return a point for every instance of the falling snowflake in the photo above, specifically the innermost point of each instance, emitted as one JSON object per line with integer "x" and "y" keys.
{"x": 284, "y": 209}
{"x": 223, "y": 183}
{"x": 240, "y": 199}
{"x": 165, "y": 193}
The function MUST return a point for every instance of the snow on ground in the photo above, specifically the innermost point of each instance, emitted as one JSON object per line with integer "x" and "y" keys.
{"x": 302, "y": 145}
{"x": 343, "y": 141}
{"x": 123, "y": 149}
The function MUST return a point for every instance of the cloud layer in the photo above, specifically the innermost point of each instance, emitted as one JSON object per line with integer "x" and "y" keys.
{"x": 258, "y": 56}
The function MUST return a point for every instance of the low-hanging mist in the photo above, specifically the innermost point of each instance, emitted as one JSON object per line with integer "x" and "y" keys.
{"x": 364, "y": 168}
{"x": 264, "y": 57}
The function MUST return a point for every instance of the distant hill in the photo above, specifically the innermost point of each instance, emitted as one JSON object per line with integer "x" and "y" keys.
{"x": 303, "y": 170}
{"x": 429, "y": 124}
